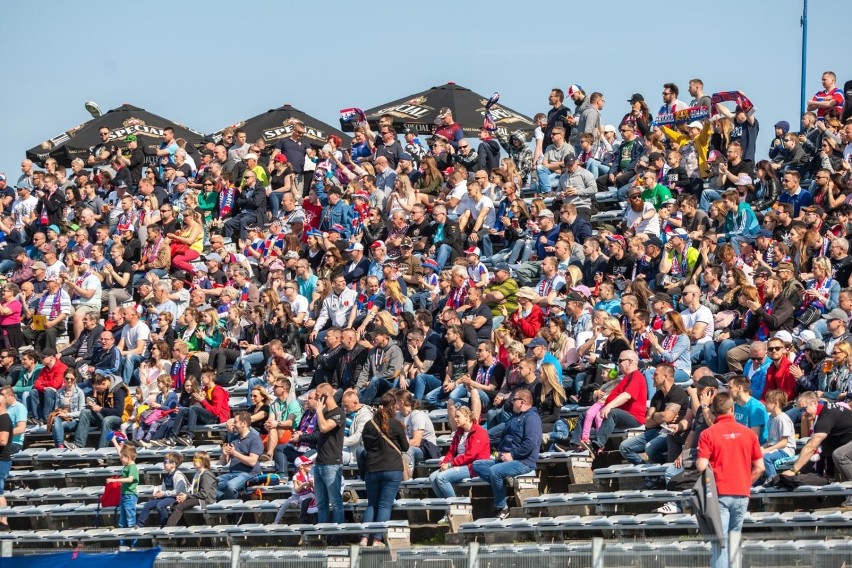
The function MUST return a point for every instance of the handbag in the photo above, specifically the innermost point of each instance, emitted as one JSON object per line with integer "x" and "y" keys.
{"x": 809, "y": 316}
{"x": 406, "y": 469}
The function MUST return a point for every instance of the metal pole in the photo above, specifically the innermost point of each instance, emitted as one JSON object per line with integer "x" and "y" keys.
{"x": 235, "y": 556}
{"x": 804, "y": 23}
{"x": 473, "y": 555}
{"x": 597, "y": 552}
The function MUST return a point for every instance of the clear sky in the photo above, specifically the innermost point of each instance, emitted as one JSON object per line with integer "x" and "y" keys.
{"x": 210, "y": 64}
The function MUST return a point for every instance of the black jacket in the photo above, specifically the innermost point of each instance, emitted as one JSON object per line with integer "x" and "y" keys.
{"x": 90, "y": 338}
{"x": 54, "y": 205}
{"x": 453, "y": 237}
{"x": 357, "y": 358}
{"x": 254, "y": 203}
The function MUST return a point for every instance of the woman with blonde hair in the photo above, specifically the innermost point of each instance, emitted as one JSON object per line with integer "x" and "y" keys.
{"x": 403, "y": 196}
{"x": 395, "y": 301}
{"x": 575, "y": 274}
{"x": 431, "y": 181}
{"x": 822, "y": 291}
{"x": 209, "y": 335}
{"x": 551, "y": 397}
{"x": 187, "y": 244}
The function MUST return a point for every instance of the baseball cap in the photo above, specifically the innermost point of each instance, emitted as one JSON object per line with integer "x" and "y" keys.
{"x": 2, "y": 177}
{"x": 636, "y": 98}
{"x": 354, "y": 247}
{"x": 48, "y": 352}
{"x": 815, "y": 344}
{"x": 569, "y": 160}
{"x": 169, "y": 165}
{"x": 763, "y": 271}
{"x": 406, "y": 243}
{"x": 744, "y": 179}
{"x": 281, "y": 158}
{"x": 409, "y": 130}
{"x": 250, "y": 156}
{"x": 338, "y": 228}
{"x": 545, "y": 213}
{"x": 503, "y": 266}
{"x": 18, "y": 250}
{"x": 444, "y": 112}
{"x": 610, "y": 128}
{"x": 537, "y": 342}
{"x": 125, "y": 227}
{"x": 405, "y": 156}
{"x": 213, "y": 256}
{"x": 304, "y": 460}
{"x": 695, "y": 124}
{"x": 654, "y": 241}
{"x": 836, "y": 314}
{"x": 574, "y": 89}
{"x": 180, "y": 180}
{"x": 473, "y": 250}
{"x": 575, "y": 297}
{"x": 39, "y": 265}
{"x": 429, "y": 263}
{"x": 616, "y": 239}
{"x": 377, "y": 244}
{"x": 130, "y": 138}
{"x": 785, "y": 266}
{"x": 764, "y": 233}
{"x": 784, "y": 336}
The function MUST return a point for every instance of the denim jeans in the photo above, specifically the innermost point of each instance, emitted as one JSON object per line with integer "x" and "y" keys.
{"x": 40, "y": 404}
{"x": 131, "y": 363}
{"x": 376, "y": 388}
{"x": 630, "y": 448}
{"x": 696, "y": 351}
{"x": 496, "y": 473}
{"x": 60, "y": 427}
{"x": 89, "y": 419}
{"x": 382, "y": 487}
{"x": 328, "y": 481}
{"x": 162, "y": 507}
{"x": 617, "y": 418}
{"x": 127, "y": 510}
{"x": 442, "y": 481}
{"x": 596, "y": 168}
{"x": 770, "y": 459}
{"x": 520, "y": 251}
{"x": 733, "y": 510}
{"x": 708, "y": 196}
{"x": 547, "y": 180}
{"x": 422, "y": 384}
{"x": 443, "y": 253}
{"x": 248, "y": 361}
{"x": 716, "y": 354}
{"x": 231, "y": 484}
{"x": 437, "y": 396}
{"x": 460, "y": 393}
{"x": 275, "y": 199}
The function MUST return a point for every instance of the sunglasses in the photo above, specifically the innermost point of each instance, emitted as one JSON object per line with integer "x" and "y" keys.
{"x": 776, "y": 349}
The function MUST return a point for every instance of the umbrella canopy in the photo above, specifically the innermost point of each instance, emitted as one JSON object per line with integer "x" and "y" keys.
{"x": 273, "y": 125}
{"x": 122, "y": 121}
{"x": 420, "y": 110}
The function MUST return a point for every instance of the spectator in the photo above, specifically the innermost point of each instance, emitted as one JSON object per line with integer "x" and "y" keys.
{"x": 384, "y": 366}
{"x": 54, "y": 308}
{"x": 6, "y": 433}
{"x": 109, "y": 406}
{"x": 43, "y": 395}
{"x": 241, "y": 453}
{"x": 357, "y": 416}
{"x": 18, "y": 413}
{"x": 329, "y": 443}
{"x": 469, "y": 444}
{"x": 781, "y": 439}
{"x": 66, "y": 410}
{"x": 174, "y": 483}
{"x": 419, "y": 430}
{"x": 129, "y": 481}
{"x": 517, "y": 451}
{"x": 285, "y": 413}
{"x": 202, "y": 491}
{"x": 384, "y": 445}
{"x": 212, "y": 408}
{"x": 733, "y": 452}
{"x": 748, "y": 410}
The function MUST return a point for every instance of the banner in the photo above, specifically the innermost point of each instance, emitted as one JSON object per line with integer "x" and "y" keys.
{"x": 130, "y": 559}
{"x": 682, "y": 116}
{"x": 352, "y": 115}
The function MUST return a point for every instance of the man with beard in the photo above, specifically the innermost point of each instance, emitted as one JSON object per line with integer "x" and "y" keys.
{"x": 155, "y": 256}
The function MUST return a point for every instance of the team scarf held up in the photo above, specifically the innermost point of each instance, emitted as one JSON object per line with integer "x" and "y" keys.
{"x": 682, "y": 116}
{"x": 353, "y": 114}
{"x": 488, "y": 122}
{"x": 733, "y": 96}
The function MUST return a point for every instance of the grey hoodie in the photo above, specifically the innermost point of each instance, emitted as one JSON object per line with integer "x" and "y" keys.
{"x": 353, "y": 439}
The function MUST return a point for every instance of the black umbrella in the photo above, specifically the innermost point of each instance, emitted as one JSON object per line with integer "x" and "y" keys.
{"x": 273, "y": 125}
{"x": 420, "y": 110}
{"x": 122, "y": 121}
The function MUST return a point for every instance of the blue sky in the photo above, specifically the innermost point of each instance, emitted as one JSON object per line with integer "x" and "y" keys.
{"x": 211, "y": 64}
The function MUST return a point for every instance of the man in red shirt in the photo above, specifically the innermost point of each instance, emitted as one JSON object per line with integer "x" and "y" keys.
{"x": 778, "y": 374}
{"x": 732, "y": 450}
{"x": 624, "y": 408}
{"x": 829, "y": 97}
{"x": 213, "y": 408}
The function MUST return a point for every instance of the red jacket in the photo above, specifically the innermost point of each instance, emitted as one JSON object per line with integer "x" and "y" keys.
{"x": 217, "y": 402}
{"x": 53, "y": 378}
{"x": 529, "y": 325}
{"x": 478, "y": 447}
{"x": 781, "y": 378}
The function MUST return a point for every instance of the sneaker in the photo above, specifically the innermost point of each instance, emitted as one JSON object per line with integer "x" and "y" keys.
{"x": 670, "y": 508}
{"x": 545, "y": 439}
{"x": 589, "y": 447}
{"x": 71, "y": 445}
{"x": 444, "y": 521}
{"x": 60, "y": 447}
{"x": 185, "y": 441}
{"x": 503, "y": 513}
{"x": 265, "y": 458}
{"x": 847, "y": 502}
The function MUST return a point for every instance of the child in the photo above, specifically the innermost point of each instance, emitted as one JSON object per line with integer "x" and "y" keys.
{"x": 476, "y": 271}
{"x": 781, "y": 440}
{"x": 429, "y": 282}
{"x": 129, "y": 487}
{"x": 593, "y": 416}
{"x": 134, "y": 419}
{"x": 676, "y": 178}
{"x": 303, "y": 491}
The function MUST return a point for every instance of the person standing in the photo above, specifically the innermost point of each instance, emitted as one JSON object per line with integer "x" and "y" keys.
{"x": 328, "y": 473}
{"x": 385, "y": 443}
{"x": 6, "y": 428}
{"x": 734, "y": 454}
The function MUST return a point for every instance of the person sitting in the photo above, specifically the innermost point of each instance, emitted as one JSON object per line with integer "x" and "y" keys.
{"x": 108, "y": 408}
{"x": 517, "y": 451}
{"x": 212, "y": 408}
{"x": 241, "y": 454}
{"x": 70, "y": 402}
{"x": 174, "y": 483}
{"x": 202, "y": 491}
{"x": 43, "y": 394}
{"x": 80, "y": 352}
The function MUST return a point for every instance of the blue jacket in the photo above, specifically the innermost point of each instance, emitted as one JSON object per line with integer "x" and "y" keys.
{"x": 339, "y": 214}
{"x": 522, "y": 437}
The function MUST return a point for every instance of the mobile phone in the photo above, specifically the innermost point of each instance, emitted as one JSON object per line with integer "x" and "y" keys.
{"x": 90, "y": 400}
{"x": 323, "y": 398}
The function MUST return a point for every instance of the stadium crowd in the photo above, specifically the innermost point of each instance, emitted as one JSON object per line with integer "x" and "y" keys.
{"x": 421, "y": 274}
